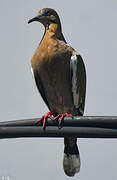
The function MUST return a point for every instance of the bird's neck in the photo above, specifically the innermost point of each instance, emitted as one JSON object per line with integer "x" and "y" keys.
{"x": 53, "y": 28}
{"x": 54, "y": 31}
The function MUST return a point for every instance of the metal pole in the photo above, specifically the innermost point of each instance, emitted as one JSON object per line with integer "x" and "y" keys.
{"x": 80, "y": 121}
{"x": 53, "y": 131}
{"x": 82, "y": 127}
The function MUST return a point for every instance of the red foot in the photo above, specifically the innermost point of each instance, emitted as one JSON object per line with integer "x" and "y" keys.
{"x": 45, "y": 117}
{"x": 61, "y": 116}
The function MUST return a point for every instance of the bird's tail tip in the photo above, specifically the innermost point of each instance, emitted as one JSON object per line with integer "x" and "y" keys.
{"x": 71, "y": 164}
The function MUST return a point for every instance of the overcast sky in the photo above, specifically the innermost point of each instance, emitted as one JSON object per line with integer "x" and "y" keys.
{"x": 91, "y": 28}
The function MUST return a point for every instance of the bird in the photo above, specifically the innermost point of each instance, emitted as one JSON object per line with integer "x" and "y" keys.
{"x": 60, "y": 76}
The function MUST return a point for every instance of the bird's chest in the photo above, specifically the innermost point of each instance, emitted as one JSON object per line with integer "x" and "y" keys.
{"x": 55, "y": 76}
{"x": 54, "y": 71}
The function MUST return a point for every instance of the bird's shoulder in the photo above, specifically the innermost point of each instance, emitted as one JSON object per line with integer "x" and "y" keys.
{"x": 65, "y": 50}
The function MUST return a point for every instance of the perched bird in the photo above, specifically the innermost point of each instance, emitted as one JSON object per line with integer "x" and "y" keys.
{"x": 60, "y": 77}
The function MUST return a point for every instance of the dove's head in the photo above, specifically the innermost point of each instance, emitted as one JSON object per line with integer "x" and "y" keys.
{"x": 47, "y": 16}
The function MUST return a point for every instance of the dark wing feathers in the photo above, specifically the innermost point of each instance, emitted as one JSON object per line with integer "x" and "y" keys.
{"x": 78, "y": 82}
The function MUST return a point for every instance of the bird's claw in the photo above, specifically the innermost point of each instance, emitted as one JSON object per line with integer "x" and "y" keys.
{"x": 44, "y": 118}
{"x": 61, "y": 116}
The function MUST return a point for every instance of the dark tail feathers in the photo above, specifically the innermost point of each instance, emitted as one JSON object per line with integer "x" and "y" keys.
{"x": 71, "y": 159}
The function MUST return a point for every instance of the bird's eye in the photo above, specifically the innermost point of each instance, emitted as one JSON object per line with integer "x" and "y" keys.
{"x": 46, "y": 13}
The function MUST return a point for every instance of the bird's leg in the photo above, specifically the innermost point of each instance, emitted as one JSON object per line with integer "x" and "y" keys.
{"x": 45, "y": 117}
{"x": 61, "y": 116}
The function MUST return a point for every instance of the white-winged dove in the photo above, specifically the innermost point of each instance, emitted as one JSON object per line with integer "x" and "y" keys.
{"x": 60, "y": 77}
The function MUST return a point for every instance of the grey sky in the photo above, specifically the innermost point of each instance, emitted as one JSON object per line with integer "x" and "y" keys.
{"x": 91, "y": 28}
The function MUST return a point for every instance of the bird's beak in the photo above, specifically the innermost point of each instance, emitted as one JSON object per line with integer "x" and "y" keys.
{"x": 37, "y": 18}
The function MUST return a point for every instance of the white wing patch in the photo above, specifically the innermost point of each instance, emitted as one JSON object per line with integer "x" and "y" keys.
{"x": 32, "y": 71}
{"x": 73, "y": 66}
